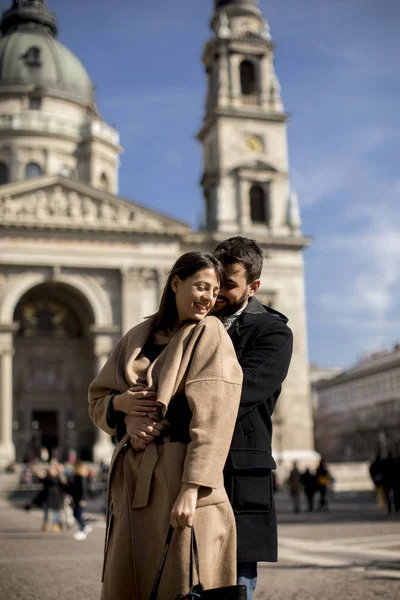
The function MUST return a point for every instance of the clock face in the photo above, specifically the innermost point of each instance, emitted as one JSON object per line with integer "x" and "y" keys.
{"x": 254, "y": 143}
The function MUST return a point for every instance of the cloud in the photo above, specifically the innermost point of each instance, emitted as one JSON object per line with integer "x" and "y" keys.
{"x": 364, "y": 296}
{"x": 339, "y": 171}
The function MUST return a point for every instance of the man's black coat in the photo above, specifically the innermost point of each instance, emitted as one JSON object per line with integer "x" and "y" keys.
{"x": 263, "y": 344}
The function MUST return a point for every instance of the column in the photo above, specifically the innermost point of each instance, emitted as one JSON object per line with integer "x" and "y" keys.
{"x": 130, "y": 298}
{"x": 103, "y": 448}
{"x": 234, "y": 62}
{"x": 223, "y": 87}
{"x": 7, "y": 449}
{"x": 265, "y": 80}
{"x": 149, "y": 293}
{"x": 244, "y": 204}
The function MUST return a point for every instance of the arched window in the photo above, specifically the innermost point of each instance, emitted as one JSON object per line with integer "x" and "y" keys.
{"x": 104, "y": 182}
{"x": 248, "y": 79}
{"x": 4, "y": 174}
{"x": 259, "y": 205}
{"x": 32, "y": 170}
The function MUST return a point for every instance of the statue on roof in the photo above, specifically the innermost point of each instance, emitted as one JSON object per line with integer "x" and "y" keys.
{"x": 224, "y": 30}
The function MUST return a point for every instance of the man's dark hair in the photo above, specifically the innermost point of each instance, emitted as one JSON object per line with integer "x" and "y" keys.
{"x": 244, "y": 251}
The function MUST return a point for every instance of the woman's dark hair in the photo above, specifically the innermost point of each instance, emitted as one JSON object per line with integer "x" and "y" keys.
{"x": 167, "y": 315}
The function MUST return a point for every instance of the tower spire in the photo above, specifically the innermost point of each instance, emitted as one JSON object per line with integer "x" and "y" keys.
{"x": 30, "y": 15}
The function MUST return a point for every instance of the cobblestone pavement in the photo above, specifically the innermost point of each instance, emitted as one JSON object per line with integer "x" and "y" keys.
{"x": 353, "y": 552}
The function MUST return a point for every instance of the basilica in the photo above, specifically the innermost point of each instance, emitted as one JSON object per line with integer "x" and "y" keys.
{"x": 79, "y": 265}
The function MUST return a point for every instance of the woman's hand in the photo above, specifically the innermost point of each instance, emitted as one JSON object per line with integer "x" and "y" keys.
{"x": 136, "y": 402}
{"x": 182, "y": 512}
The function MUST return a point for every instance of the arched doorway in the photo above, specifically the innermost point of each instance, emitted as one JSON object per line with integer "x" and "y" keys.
{"x": 53, "y": 366}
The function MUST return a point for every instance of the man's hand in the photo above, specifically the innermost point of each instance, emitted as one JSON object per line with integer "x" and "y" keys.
{"x": 143, "y": 430}
{"x": 136, "y": 402}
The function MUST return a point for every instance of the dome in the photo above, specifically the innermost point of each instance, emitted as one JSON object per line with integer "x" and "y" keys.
{"x": 34, "y": 59}
{"x": 31, "y": 57}
{"x": 241, "y": 3}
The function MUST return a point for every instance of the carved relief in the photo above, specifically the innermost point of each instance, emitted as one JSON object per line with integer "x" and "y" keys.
{"x": 68, "y": 208}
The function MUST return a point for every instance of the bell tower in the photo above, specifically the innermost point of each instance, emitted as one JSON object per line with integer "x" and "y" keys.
{"x": 246, "y": 190}
{"x": 245, "y": 179}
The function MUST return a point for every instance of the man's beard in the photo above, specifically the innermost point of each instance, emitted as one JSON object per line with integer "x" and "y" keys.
{"x": 231, "y": 309}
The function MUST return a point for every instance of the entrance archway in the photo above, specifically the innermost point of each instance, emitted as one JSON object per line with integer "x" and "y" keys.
{"x": 53, "y": 366}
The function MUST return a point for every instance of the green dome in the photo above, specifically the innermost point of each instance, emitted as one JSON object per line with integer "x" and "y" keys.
{"x": 32, "y": 58}
{"x": 39, "y": 60}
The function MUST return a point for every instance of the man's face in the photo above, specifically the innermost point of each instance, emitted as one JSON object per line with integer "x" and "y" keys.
{"x": 235, "y": 290}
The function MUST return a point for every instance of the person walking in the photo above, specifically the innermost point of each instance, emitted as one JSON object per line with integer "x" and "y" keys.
{"x": 52, "y": 497}
{"x": 294, "y": 484}
{"x": 78, "y": 490}
{"x": 309, "y": 483}
{"x": 376, "y": 474}
{"x": 185, "y": 358}
{"x": 323, "y": 480}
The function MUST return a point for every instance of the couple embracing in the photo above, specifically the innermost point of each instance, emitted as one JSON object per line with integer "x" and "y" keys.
{"x": 190, "y": 394}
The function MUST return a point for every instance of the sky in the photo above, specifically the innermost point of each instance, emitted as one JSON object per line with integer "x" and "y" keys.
{"x": 337, "y": 62}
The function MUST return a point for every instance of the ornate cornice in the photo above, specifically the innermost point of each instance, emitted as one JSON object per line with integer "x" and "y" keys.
{"x": 59, "y": 203}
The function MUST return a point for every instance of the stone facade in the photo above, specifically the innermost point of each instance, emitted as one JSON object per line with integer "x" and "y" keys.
{"x": 358, "y": 411}
{"x": 79, "y": 266}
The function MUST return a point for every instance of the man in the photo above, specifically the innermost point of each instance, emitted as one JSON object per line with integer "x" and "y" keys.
{"x": 263, "y": 344}
{"x": 294, "y": 485}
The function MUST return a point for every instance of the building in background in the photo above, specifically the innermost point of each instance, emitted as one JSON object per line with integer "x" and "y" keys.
{"x": 317, "y": 374}
{"x": 79, "y": 265}
{"x": 358, "y": 411}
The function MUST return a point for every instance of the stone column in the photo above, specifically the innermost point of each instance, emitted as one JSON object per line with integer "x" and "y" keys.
{"x": 7, "y": 449}
{"x": 103, "y": 448}
{"x": 265, "y": 80}
{"x": 223, "y": 87}
{"x": 234, "y": 62}
{"x": 244, "y": 204}
{"x": 131, "y": 298}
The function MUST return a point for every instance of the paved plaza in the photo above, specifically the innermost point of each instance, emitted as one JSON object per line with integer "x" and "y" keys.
{"x": 353, "y": 552}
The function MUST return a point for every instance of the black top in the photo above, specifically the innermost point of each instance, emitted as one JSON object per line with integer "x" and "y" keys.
{"x": 151, "y": 350}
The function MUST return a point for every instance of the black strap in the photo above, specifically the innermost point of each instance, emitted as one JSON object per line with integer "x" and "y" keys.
{"x": 194, "y": 557}
{"x": 156, "y": 585}
{"x": 194, "y": 554}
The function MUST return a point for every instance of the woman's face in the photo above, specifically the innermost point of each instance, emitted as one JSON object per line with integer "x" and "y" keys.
{"x": 196, "y": 295}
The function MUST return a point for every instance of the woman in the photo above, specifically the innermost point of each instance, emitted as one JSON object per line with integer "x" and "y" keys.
{"x": 53, "y": 496}
{"x": 78, "y": 489}
{"x": 187, "y": 358}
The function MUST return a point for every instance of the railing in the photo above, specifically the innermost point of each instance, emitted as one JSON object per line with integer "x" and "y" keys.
{"x": 35, "y": 122}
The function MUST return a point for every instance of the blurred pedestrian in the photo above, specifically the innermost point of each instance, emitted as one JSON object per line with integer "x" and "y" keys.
{"x": 389, "y": 476}
{"x": 396, "y": 482}
{"x": 294, "y": 484}
{"x": 376, "y": 474}
{"x": 53, "y": 497}
{"x": 309, "y": 482}
{"x": 78, "y": 489}
{"x": 323, "y": 480}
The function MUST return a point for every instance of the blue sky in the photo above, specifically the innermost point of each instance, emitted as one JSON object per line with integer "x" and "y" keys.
{"x": 337, "y": 62}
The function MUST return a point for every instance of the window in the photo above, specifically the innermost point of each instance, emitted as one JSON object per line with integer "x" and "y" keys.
{"x": 32, "y": 57}
{"x": 248, "y": 78}
{"x": 32, "y": 170}
{"x": 4, "y": 174}
{"x": 35, "y": 103}
{"x": 259, "y": 209}
{"x": 104, "y": 182}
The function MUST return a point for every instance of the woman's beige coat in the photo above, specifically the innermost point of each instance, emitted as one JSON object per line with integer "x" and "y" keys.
{"x": 200, "y": 362}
